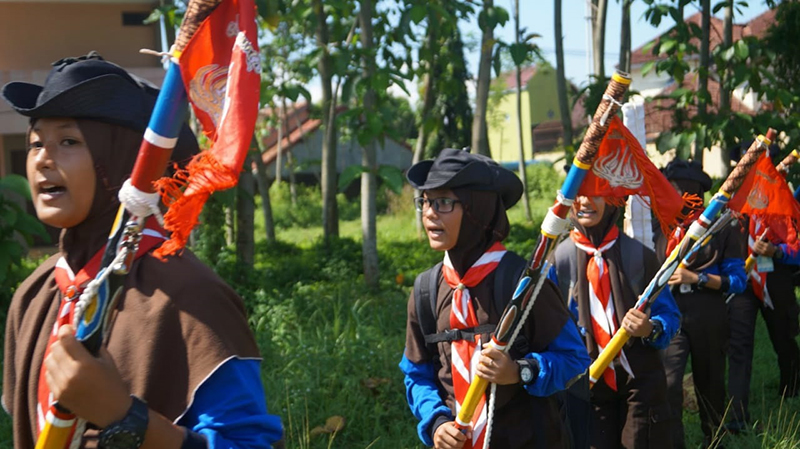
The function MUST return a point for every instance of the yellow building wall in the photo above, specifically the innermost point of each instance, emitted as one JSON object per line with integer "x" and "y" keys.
{"x": 539, "y": 104}
{"x": 503, "y": 131}
{"x": 543, "y": 89}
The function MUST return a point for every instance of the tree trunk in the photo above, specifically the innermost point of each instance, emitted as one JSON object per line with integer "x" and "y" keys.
{"x": 289, "y": 158}
{"x": 230, "y": 224}
{"x": 480, "y": 143}
{"x": 245, "y": 214}
{"x": 522, "y": 175}
{"x": 279, "y": 157}
{"x": 599, "y": 12}
{"x": 427, "y": 104}
{"x": 702, "y": 88}
{"x": 625, "y": 37}
{"x": 369, "y": 185}
{"x": 263, "y": 190}
{"x": 563, "y": 100}
{"x": 330, "y": 215}
{"x": 725, "y": 92}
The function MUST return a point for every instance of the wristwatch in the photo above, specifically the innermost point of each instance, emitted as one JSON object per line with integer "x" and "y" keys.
{"x": 702, "y": 280}
{"x": 527, "y": 371}
{"x": 128, "y": 432}
{"x": 658, "y": 329}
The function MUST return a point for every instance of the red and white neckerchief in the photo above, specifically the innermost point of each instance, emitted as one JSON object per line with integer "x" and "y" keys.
{"x": 71, "y": 285}
{"x": 465, "y": 354}
{"x": 758, "y": 279}
{"x": 601, "y": 303}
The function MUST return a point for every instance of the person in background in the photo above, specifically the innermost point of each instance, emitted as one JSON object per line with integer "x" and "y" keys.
{"x": 700, "y": 290}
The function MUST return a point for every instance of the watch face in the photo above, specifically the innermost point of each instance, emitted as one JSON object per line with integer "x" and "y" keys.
{"x": 122, "y": 439}
{"x": 526, "y": 374}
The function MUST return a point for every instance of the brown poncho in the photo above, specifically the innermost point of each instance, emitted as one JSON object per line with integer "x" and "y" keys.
{"x": 175, "y": 323}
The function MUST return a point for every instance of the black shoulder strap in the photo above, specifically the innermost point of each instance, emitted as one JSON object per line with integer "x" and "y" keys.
{"x": 633, "y": 264}
{"x": 566, "y": 268}
{"x": 426, "y": 287}
{"x": 509, "y": 270}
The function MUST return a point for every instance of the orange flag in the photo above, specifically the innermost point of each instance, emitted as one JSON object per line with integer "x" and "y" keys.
{"x": 622, "y": 168}
{"x": 221, "y": 70}
{"x": 765, "y": 195}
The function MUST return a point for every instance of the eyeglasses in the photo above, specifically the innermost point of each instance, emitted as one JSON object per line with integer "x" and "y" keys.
{"x": 441, "y": 205}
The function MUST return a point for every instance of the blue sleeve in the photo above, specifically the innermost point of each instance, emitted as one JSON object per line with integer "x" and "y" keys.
{"x": 552, "y": 275}
{"x": 733, "y": 267}
{"x": 423, "y": 397}
{"x": 791, "y": 256}
{"x": 230, "y": 410}
{"x": 666, "y": 312}
{"x": 563, "y": 360}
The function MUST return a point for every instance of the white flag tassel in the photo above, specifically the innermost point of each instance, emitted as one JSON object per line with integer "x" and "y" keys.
{"x": 638, "y": 221}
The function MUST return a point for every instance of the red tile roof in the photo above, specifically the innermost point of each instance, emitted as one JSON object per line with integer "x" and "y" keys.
{"x": 299, "y": 127}
{"x": 510, "y": 77}
{"x": 659, "y": 112}
{"x": 756, "y": 27}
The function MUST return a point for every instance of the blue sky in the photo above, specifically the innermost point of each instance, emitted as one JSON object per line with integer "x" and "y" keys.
{"x": 537, "y": 17}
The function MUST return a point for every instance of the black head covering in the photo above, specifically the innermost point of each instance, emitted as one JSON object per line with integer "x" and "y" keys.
{"x": 689, "y": 176}
{"x": 453, "y": 169}
{"x": 484, "y": 222}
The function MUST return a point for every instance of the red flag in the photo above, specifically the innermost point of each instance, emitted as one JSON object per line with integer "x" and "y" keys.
{"x": 622, "y": 168}
{"x": 221, "y": 70}
{"x": 765, "y": 195}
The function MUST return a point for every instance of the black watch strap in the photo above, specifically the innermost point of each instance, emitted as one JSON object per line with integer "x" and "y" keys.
{"x": 129, "y": 432}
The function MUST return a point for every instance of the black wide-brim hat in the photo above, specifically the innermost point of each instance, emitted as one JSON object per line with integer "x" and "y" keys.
{"x": 90, "y": 87}
{"x": 461, "y": 169}
{"x": 690, "y": 170}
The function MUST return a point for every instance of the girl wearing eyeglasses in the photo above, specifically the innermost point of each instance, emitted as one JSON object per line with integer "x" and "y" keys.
{"x": 456, "y": 305}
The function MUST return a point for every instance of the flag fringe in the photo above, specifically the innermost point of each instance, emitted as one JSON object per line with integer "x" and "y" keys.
{"x": 186, "y": 193}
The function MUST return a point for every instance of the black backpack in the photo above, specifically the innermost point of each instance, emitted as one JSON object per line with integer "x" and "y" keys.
{"x": 426, "y": 286}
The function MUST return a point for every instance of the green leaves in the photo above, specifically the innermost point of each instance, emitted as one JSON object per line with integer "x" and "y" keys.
{"x": 390, "y": 175}
{"x": 16, "y": 226}
{"x": 16, "y": 184}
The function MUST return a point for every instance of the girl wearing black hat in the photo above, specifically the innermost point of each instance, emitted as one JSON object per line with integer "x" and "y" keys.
{"x": 602, "y": 271}
{"x": 180, "y": 367}
{"x": 456, "y": 305}
{"x": 700, "y": 290}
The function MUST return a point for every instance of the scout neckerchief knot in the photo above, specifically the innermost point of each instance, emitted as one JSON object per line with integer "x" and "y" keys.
{"x": 758, "y": 279}
{"x": 71, "y": 286}
{"x": 465, "y": 353}
{"x": 601, "y": 304}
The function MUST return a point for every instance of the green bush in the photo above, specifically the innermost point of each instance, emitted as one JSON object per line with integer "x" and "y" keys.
{"x": 543, "y": 180}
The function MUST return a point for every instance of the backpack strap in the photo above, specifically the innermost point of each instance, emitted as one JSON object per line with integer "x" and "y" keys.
{"x": 633, "y": 266}
{"x": 508, "y": 272}
{"x": 566, "y": 268}
{"x": 426, "y": 287}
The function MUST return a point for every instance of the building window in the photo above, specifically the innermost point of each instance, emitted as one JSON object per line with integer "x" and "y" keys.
{"x": 134, "y": 18}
